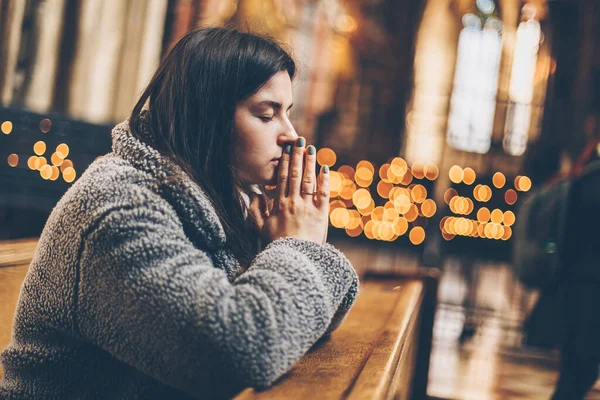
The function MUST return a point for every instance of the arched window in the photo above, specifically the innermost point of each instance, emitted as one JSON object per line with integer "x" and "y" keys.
{"x": 520, "y": 95}
{"x": 473, "y": 101}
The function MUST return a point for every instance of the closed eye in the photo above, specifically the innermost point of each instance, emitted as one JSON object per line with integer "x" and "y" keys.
{"x": 266, "y": 119}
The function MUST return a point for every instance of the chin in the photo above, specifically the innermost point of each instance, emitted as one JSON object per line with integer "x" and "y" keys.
{"x": 262, "y": 180}
{"x": 269, "y": 181}
{"x": 266, "y": 176}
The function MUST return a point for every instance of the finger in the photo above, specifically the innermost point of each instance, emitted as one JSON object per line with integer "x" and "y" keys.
{"x": 296, "y": 166}
{"x": 282, "y": 173}
{"x": 309, "y": 179}
{"x": 323, "y": 189}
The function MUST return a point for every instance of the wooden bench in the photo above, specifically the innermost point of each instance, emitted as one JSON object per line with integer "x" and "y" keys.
{"x": 15, "y": 256}
{"x": 381, "y": 351}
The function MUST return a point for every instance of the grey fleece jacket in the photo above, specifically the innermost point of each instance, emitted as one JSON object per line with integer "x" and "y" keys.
{"x": 133, "y": 294}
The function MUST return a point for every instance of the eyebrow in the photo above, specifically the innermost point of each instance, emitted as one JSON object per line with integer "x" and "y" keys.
{"x": 273, "y": 104}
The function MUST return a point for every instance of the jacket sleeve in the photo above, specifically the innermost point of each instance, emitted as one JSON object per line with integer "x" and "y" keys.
{"x": 344, "y": 308}
{"x": 154, "y": 301}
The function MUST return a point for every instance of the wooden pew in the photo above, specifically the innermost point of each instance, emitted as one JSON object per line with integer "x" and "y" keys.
{"x": 15, "y": 256}
{"x": 381, "y": 351}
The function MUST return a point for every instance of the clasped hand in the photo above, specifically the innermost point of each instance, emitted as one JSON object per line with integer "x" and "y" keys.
{"x": 301, "y": 202}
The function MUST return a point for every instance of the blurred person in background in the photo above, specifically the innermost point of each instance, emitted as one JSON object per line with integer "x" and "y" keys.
{"x": 165, "y": 271}
{"x": 580, "y": 278}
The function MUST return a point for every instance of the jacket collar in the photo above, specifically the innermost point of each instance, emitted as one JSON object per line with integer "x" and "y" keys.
{"x": 193, "y": 207}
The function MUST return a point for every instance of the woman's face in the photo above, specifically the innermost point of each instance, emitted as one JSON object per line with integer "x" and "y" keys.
{"x": 262, "y": 128}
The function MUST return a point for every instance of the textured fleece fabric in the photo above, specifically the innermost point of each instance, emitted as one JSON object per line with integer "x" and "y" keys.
{"x": 133, "y": 293}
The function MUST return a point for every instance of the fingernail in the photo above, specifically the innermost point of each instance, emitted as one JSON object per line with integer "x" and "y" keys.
{"x": 325, "y": 169}
{"x": 300, "y": 142}
{"x": 311, "y": 149}
{"x": 287, "y": 149}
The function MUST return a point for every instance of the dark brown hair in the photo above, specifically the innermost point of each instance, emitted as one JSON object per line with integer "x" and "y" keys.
{"x": 191, "y": 102}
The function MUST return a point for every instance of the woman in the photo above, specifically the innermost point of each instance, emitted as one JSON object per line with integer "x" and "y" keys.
{"x": 148, "y": 281}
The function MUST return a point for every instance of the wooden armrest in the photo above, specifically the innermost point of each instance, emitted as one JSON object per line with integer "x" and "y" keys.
{"x": 17, "y": 252}
{"x": 370, "y": 356}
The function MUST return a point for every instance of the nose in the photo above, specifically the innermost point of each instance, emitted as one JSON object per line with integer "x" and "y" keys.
{"x": 288, "y": 133}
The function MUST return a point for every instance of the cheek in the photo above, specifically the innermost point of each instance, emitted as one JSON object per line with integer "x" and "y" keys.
{"x": 258, "y": 141}
{"x": 248, "y": 152}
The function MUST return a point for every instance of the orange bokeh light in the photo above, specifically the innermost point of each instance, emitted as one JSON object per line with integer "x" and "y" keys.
{"x": 417, "y": 235}
{"x": 398, "y": 167}
{"x": 369, "y": 229}
{"x": 56, "y": 159}
{"x": 364, "y": 174}
{"x": 390, "y": 214}
{"x": 456, "y": 174}
{"x": 431, "y": 171}
{"x": 407, "y": 178}
{"x": 400, "y": 226}
{"x": 510, "y": 197}
{"x": 335, "y": 183}
{"x": 336, "y": 204}
{"x": 499, "y": 180}
{"x": 383, "y": 189}
{"x": 383, "y": 172}
{"x": 470, "y": 206}
{"x": 443, "y": 223}
{"x": 55, "y": 173}
{"x": 13, "y": 160}
{"x": 354, "y": 232}
{"x": 483, "y": 215}
{"x": 507, "y": 233}
{"x": 476, "y": 192}
{"x": 469, "y": 176}
{"x": 377, "y": 214}
{"x": 412, "y": 213}
{"x": 62, "y": 150}
{"x": 69, "y": 174}
{"x": 366, "y": 211}
{"x": 418, "y": 170}
{"x": 418, "y": 193}
{"x": 509, "y": 218}
{"x": 45, "y": 125}
{"x": 46, "y": 171}
{"x": 496, "y": 216}
{"x": 365, "y": 164}
{"x": 429, "y": 208}
{"x": 32, "y": 162}
{"x": 347, "y": 171}
{"x": 361, "y": 198}
{"x": 402, "y": 203}
{"x": 339, "y": 217}
{"x": 449, "y": 194}
{"x": 524, "y": 184}
{"x": 6, "y": 127}
{"x": 448, "y": 236}
{"x": 325, "y": 156}
{"x": 484, "y": 193}
{"x": 39, "y": 148}
{"x": 40, "y": 162}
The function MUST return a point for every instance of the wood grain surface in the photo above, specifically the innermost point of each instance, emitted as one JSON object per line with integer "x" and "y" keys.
{"x": 359, "y": 360}
{"x": 16, "y": 252}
